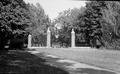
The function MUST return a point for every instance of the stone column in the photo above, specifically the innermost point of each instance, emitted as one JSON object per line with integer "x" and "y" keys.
{"x": 72, "y": 38}
{"x": 29, "y": 41}
{"x": 48, "y": 38}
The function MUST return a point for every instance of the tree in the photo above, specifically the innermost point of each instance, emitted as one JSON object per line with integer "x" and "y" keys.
{"x": 68, "y": 20}
{"x": 39, "y": 23}
{"x": 92, "y": 21}
{"x": 13, "y": 20}
{"x": 111, "y": 18}
{"x": 101, "y": 20}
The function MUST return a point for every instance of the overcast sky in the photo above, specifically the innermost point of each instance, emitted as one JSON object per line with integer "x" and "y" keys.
{"x": 53, "y": 7}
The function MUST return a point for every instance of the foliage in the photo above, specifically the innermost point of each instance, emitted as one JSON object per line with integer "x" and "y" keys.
{"x": 111, "y": 17}
{"x": 92, "y": 21}
{"x": 39, "y": 23}
{"x": 102, "y": 22}
{"x": 97, "y": 23}
{"x": 13, "y": 19}
{"x": 68, "y": 20}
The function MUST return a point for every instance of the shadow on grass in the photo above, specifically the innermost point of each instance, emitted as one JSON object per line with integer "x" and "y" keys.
{"x": 21, "y": 62}
{"x": 94, "y": 71}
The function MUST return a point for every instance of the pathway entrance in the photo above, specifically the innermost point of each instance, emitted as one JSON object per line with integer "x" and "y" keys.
{"x": 47, "y": 40}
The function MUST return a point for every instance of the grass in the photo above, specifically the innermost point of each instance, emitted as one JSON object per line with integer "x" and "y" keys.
{"x": 108, "y": 59}
{"x": 53, "y": 61}
{"x": 22, "y": 62}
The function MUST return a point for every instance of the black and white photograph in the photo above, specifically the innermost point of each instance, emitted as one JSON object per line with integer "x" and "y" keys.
{"x": 59, "y": 37}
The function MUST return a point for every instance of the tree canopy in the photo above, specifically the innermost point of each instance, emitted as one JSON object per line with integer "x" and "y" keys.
{"x": 13, "y": 19}
{"x": 39, "y": 23}
{"x": 17, "y": 19}
{"x": 68, "y": 20}
{"x": 98, "y": 20}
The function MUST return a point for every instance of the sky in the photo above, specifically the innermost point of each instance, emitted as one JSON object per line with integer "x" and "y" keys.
{"x": 53, "y": 7}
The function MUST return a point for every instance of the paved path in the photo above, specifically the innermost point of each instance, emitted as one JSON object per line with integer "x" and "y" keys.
{"x": 107, "y": 59}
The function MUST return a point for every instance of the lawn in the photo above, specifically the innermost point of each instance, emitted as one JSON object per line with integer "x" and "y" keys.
{"x": 22, "y": 62}
{"x": 108, "y": 59}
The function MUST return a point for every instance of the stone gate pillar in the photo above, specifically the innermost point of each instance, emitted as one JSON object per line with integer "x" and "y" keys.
{"x": 72, "y": 38}
{"x": 48, "y": 38}
{"x": 29, "y": 41}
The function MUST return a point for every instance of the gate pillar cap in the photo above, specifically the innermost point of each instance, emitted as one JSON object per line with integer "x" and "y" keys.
{"x": 29, "y": 35}
{"x": 72, "y": 31}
